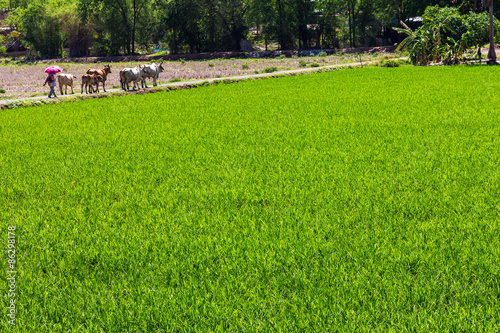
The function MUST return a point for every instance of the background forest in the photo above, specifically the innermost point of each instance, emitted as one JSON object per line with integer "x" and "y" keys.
{"x": 112, "y": 27}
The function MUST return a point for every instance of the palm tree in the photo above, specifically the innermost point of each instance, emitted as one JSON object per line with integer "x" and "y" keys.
{"x": 491, "y": 53}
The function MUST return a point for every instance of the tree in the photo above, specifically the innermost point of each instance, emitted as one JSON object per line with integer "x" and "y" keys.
{"x": 304, "y": 15}
{"x": 328, "y": 21}
{"x": 115, "y": 22}
{"x": 491, "y": 52}
{"x": 182, "y": 19}
{"x": 128, "y": 14}
{"x": 231, "y": 14}
{"x": 41, "y": 31}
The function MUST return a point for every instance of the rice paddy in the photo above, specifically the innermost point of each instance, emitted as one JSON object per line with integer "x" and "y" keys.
{"x": 356, "y": 200}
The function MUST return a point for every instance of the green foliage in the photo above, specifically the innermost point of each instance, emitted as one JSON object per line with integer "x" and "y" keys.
{"x": 102, "y": 46}
{"x": 302, "y": 63}
{"x": 445, "y": 36}
{"x": 389, "y": 63}
{"x": 245, "y": 66}
{"x": 314, "y": 64}
{"x": 270, "y": 69}
{"x": 41, "y": 29}
{"x": 112, "y": 27}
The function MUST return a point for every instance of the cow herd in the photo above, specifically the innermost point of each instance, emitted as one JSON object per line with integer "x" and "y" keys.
{"x": 91, "y": 80}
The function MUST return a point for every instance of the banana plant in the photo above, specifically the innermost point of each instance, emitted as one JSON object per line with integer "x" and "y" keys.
{"x": 417, "y": 44}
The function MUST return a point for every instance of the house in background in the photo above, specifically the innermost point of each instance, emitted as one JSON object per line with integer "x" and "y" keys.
{"x": 13, "y": 43}
{"x": 4, "y": 29}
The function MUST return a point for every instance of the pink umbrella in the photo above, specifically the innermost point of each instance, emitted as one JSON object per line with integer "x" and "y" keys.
{"x": 53, "y": 69}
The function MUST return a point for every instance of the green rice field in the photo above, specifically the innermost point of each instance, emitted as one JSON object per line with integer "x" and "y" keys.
{"x": 363, "y": 200}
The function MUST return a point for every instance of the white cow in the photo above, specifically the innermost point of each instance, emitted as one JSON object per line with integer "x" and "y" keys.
{"x": 128, "y": 75}
{"x": 152, "y": 71}
{"x": 65, "y": 80}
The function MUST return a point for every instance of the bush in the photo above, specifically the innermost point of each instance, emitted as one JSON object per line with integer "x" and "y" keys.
{"x": 175, "y": 80}
{"x": 270, "y": 69}
{"x": 322, "y": 54}
{"x": 210, "y": 64}
{"x": 314, "y": 64}
{"x": 302, "y": 63}
{"x": 389, "y": 63}
{"x": 245, "y": 66}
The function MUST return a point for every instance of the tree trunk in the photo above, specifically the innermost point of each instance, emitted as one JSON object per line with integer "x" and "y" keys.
{"x": 491, "y": 53}
{"x": 133, "y": 26}
{"x": 235, "y": 39}
{"x": 350, "y": 25}
{"x": 353, "y": 26}
{"x": 281, "y": 34}
{"x": 133, "y": 39}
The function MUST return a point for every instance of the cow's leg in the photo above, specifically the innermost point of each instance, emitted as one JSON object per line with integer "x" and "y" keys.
{"x": 82, "y": 88}
{"x": 103, "y": 87}
{"x": 72, "y": 89}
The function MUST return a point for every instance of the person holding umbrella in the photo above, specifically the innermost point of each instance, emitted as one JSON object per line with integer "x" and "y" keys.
{"x": 51, "y": 78}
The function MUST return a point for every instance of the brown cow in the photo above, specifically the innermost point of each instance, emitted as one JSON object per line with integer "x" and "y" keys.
{"x": 65, "y": 80}
{"x": 91, "y": 80}
{"x": 103, "y": 72}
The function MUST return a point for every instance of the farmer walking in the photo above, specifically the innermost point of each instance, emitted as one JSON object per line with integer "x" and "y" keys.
{"x": 51, "y": 81}
{"x": 51, "y": 78}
